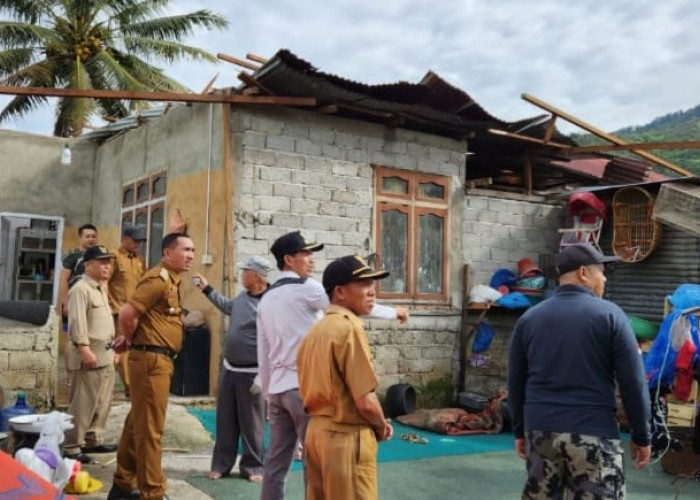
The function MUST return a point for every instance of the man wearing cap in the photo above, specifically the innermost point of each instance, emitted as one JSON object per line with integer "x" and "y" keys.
{"x": 337, "y": 385}
{"x": 239, "y": 405}
{"x": 564, "y": 358}
{"x": 126, "y": 272}
{"x": 290, "y": 307}
{"x": 92, "y": 365}
{"x": 150, "y": 325}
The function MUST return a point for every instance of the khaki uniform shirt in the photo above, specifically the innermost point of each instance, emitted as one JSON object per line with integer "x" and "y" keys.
{"x": 335, "y": 367}
{"x": 127, "y": 270}
{"x": 90, "y": 322}
{"x": 156, "y": 298}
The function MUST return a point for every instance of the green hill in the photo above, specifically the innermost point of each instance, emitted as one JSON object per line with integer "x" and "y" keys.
{"x": 678, "y": 126}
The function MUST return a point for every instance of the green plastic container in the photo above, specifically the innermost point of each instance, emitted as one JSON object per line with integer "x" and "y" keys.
{"x": 643, "y": 329}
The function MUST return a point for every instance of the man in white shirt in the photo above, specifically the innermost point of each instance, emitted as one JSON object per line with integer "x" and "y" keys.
{"x": 290, "y": 307}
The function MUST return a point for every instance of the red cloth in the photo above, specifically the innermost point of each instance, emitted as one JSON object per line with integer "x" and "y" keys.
{"x": 458, "y": 421}
{"x": 684, "y": 371}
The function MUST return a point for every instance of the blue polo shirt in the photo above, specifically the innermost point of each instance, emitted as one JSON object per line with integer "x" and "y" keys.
{"x": 564, "y": 357}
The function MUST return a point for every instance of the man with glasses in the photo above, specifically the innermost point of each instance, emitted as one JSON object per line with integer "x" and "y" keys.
{"x": 564, "y": 358}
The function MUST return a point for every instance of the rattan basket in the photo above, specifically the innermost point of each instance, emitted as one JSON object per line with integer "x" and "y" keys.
{"x": 635, "y": 233}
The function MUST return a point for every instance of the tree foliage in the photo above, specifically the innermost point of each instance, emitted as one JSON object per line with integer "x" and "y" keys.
{"x": 677, "y": 126}
{"x": 93, "y": 44}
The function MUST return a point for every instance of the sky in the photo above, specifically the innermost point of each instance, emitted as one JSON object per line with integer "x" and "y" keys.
{"x": 611, "y": 63}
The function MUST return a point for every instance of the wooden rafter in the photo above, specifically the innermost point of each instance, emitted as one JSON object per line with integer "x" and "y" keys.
{"x": 256, "y": 58}
{"x": 527, "y": 138}
{"x": 159, "y": 96}
{"x": 249, "y": 80}
{"x": 239, "y": 62}
{"x": 603, "y": 135}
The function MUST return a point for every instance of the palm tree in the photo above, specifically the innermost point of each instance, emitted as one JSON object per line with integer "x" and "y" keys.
{"x": 92, "y": 44}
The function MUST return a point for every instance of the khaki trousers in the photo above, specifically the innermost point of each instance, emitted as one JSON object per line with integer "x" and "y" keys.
{"x": 90, "y": 399}
{"x": 341, "y": 461}
{"x": 140, "y": 450}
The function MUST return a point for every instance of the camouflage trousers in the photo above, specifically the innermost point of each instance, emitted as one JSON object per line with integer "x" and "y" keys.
{"x": 561, "y": 465}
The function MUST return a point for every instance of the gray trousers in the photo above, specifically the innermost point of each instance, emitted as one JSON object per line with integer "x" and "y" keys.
{"x": 288, "y": 423}
{"x": 239, "y": 415}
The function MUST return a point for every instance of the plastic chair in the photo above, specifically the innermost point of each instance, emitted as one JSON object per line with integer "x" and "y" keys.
{"x": 586, "y": 214}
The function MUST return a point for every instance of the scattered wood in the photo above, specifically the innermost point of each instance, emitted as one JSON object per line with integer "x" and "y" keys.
{"x": 239, "y": 62}
{"x": 251, "y": 91}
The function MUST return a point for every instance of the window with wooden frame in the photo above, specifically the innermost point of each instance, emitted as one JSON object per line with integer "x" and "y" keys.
{"x": 412, "y": 215}
{"x": 143, "y": 205}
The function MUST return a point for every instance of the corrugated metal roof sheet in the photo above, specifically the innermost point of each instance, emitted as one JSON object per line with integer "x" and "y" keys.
{"x": 430, "y": 104}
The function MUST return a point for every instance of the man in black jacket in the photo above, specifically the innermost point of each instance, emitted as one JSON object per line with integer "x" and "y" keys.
{"x": 564, "y": 358}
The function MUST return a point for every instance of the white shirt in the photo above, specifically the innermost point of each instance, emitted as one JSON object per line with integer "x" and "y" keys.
{"x": 285, "y": 315}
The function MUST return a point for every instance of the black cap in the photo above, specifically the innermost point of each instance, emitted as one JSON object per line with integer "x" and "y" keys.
{"x": 571, "y": 257}
{"x": 347, "y": 269}
{"x": 291, "y": 243}
{"x": 134, "y": 232}
{"x": 96, "y": 252}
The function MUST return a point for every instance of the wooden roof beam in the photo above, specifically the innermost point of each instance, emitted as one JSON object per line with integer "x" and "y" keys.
{"x": 256, "y": 58}
{"x": 604, "y": 135}
{"x": 249, "y": 80}
{"x": 239, "y": 62}
{"x": 527, "y": 138}
{"x": 158, "y": 96}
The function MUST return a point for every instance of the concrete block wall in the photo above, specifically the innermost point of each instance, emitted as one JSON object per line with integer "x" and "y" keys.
{"x": 28, "y": 359}
{"x": 498, "y": 232}
{"x": 302, "y": 170}
{"x": 421, "y": 350}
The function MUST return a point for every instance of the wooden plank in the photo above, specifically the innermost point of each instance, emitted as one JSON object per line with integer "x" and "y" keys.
{"x": 527, "y": 138}
{"x": 550, "y": 129}
{"x": 636, "y": 145}
{"x": 251, "y": 91}
{"x": 328, "y": 109}
{"x": 527, "y": 181}
{"x": 249, "y": 80}
{"x": 604, "y": 135}
{"x": 256, "y": 58}
{"x": 238, "y": 62}
{"x": 158, "y": 96}
{"x": 464, "y": 328}
{"x": 209, "y": 85}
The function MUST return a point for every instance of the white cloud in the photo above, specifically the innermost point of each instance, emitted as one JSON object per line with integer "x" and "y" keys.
{"x": 612, "y": 64}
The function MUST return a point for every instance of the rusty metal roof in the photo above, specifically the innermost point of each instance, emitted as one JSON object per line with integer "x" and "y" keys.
{"x": 432, "y": 104}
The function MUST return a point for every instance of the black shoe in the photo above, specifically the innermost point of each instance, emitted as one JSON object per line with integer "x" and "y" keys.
{"x": 81, "y": 457}
{"x": 116, "y": 493}
{"x": 100, "y": 448}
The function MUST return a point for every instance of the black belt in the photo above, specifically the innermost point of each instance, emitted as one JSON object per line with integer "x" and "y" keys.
{"x": 156, "y": 349}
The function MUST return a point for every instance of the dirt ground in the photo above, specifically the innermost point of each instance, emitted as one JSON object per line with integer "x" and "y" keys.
{"x": 187, "y": 448}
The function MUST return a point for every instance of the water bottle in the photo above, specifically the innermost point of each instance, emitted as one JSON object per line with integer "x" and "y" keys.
{"x": 20, "y": 408}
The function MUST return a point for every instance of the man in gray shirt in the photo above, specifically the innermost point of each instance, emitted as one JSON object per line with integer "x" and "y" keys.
{"x": 239, "y": 407}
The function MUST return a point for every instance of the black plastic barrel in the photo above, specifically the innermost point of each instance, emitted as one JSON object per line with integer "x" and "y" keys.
{"x": 191, "y": 371}
{"x": 400, "y": 400}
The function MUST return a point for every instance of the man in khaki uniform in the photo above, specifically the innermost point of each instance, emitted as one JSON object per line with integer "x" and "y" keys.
{"x": 90, "y": 328}
{"x": 126, "y": 273}
{"x": 337, "y": 386}
{"x": 151, "y": 327}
